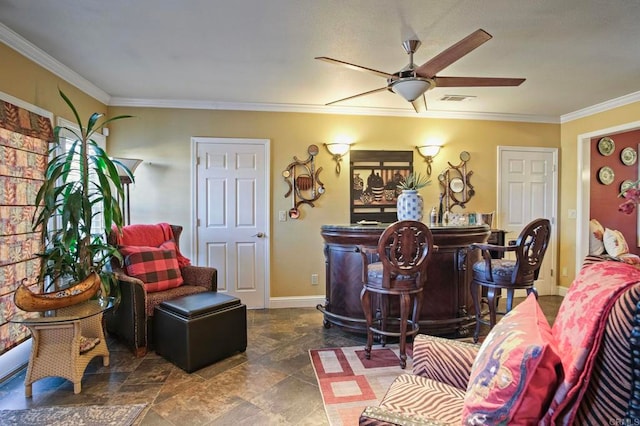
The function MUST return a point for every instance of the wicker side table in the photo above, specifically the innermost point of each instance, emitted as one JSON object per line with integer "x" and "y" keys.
{"x": 57, "y": 338}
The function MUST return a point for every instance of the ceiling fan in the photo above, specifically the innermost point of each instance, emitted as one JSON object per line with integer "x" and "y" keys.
{"x": 412, "y": 81}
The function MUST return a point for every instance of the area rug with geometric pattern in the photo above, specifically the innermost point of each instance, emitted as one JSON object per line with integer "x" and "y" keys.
{"x": 77, "y": 415}
{"x": 349, "y": 382}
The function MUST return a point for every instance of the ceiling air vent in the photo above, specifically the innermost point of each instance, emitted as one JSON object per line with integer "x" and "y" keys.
{"x": 457, "y": 98}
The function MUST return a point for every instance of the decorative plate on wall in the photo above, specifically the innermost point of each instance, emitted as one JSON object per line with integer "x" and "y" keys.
{"x": 629, "y": 156}
{"x": 626, "y": 185}
{"x": 606, "y": 146}
{"x": 606, "y": 175}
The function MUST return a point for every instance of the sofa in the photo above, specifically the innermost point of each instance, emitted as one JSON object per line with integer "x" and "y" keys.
{"x": 132, "y": 320}
{"x": 583, "y": 370}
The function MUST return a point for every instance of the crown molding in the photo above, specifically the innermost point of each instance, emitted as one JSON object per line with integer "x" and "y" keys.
{"x": 387, "y": 112}
{"x": 601, "y": 107}
{"x": 34, "y": 53}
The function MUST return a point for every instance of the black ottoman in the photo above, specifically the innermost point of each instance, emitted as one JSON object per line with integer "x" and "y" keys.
{"x": 199, "y": 329}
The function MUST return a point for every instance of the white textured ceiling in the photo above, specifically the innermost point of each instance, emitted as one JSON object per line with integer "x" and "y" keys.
{"x": 573, "y": 53}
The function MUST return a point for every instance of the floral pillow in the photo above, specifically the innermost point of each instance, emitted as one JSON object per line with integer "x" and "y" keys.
{"x": 596, "y": 235}
{"x": 615, "y": 243}
{"x": 156, "y": 267}
{"x": 516, "y": 371}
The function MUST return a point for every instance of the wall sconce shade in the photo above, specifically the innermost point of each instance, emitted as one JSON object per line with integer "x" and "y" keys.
{"x": 338, "y": 150}
{"x": 428, "y": 152}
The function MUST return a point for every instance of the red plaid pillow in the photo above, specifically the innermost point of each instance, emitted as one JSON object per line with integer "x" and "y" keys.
{"x": 156, "y": 267}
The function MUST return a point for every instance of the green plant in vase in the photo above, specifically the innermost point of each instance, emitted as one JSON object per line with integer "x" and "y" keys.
{"x": 410, "y": 205}
{"x": 413, "y": 182}
{"x": 81, "y": 183}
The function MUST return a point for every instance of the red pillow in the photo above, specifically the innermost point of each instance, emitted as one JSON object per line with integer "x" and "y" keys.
{"x": 516, "y": 371}
{"x": 156, "y": 267}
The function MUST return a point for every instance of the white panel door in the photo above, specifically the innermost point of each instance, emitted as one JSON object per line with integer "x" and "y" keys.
{"x": 527, "y": 190}
{"x": 232, "y": 215}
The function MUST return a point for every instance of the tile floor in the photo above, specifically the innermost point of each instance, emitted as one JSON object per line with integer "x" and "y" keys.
{"x": 271, "y": 383}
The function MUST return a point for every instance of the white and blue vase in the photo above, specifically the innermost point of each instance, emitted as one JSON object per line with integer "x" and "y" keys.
{"x": 410, "y": 205}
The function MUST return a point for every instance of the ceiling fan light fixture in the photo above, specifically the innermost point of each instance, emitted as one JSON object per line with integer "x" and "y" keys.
{"x": 410, "y": 88}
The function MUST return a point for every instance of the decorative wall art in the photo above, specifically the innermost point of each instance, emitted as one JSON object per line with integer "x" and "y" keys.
{"x": 606, "y": 175}
{"x": 374, "y": 180}
{"x": 304, "y": 182}
{"x": 606, "y": 146}
{"x": 455, "y": 183}
{"x": 628, "y": 156}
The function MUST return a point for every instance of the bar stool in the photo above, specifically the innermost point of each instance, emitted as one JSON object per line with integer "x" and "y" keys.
{"x": 498, "y": 274}
{"x": 403, "y": 250}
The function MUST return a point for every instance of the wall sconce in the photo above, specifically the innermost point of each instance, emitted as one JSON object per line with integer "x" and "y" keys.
{"x": 131, "y": 164}
{"x": 338, "y": 150}
{"x": 428, "y": 152}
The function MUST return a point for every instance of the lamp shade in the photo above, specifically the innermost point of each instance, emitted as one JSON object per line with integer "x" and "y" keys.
{"x": 130, "y": 163}
{"x": 411, "y": 88}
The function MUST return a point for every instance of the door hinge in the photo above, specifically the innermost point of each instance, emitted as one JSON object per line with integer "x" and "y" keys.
{"x": 552, "y": 272}
{"x": 198, "y": 161}
{"x": 555, "y": 167}
{"x": 197, "y": 222}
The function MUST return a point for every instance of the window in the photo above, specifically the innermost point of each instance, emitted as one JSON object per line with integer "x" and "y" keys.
{"x": 97, "y": 224}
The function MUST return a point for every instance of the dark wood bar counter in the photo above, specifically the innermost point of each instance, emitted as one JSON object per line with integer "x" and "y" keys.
{"x": 447, "y": 305}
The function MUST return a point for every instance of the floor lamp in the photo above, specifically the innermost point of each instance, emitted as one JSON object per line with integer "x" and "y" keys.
{"x": 131, "y": 164}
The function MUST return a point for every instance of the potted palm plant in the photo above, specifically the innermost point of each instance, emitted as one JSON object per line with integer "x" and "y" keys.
{"x": 410, "y": 204}
{"x": 81, "y": 183}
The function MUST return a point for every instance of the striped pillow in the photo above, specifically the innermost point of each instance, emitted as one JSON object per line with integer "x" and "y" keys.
{"x": 156, "y": 267}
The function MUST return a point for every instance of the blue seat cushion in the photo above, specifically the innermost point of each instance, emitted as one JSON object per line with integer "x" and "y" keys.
{"x": 501, "y": 269}
{"x": 374, "y": 273}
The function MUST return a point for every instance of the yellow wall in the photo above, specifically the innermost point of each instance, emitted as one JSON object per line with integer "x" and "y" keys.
{"x": 21, "y": 78}
{"x": 162, "y": 137}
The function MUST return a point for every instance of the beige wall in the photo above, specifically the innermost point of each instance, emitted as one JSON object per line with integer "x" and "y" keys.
{"x": 21, "y": 78}
{"x": 162, "y": 138}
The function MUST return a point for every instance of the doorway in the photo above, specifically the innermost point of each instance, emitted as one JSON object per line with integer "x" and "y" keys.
{"x": 231, "y": 215}
{"x": 583, "y": 199}
{"x": 527, "y": 190}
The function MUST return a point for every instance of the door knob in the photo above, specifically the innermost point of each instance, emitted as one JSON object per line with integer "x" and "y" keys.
{"x": 259, "y": 235}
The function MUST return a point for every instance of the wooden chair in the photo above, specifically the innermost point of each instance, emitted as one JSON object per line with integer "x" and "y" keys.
{"x": 403, "y": 250}
{"x": 497, "y": 274}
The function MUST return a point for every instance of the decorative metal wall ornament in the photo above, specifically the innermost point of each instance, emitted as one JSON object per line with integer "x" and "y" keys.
{"x": 304, "y": 182}
{"x": 454, "y": 181}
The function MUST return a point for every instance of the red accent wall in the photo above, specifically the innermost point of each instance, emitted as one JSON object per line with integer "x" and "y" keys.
{"x": 604, "y": 198}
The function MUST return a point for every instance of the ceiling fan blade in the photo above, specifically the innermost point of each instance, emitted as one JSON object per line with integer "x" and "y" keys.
{"x": 356, "y": 67}
{"x": 420, "y": 104}
{"x": 477, "y": 81}
{"x": 453, "y": 53}
{"x": 358, "y": 95}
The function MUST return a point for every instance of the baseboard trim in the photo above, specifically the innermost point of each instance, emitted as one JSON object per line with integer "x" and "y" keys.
{"x": 562, "y": 291}
{"x": 296, "y": 302}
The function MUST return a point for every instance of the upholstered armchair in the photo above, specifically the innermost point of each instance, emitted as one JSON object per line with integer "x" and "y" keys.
{"x": 132, "y": 320}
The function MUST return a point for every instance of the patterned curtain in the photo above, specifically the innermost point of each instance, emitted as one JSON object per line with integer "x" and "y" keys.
{"x": 24, "y": 144}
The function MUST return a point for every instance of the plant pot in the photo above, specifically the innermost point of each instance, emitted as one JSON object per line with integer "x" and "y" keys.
{"x": 410, "y": 205}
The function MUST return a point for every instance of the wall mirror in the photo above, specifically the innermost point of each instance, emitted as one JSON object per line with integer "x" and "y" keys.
{"x": 455, "y": 183}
